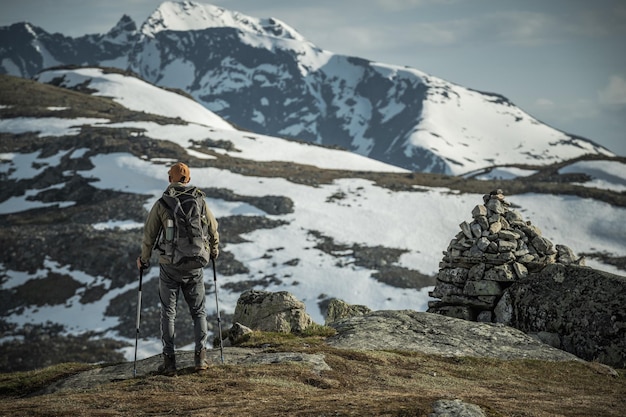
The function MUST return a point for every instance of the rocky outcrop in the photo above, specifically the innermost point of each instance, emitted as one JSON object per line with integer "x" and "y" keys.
{"x": 392, "y": 329}
{"x": 405, "y": 330}
{"x": 577, "y": 309}
{"x": 271, "y": 312}
{"x": 494, "y": 250}
{"x": 439, "y": 335}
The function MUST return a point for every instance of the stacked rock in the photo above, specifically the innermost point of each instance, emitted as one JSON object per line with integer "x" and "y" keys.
{"x": 491, "y": 252}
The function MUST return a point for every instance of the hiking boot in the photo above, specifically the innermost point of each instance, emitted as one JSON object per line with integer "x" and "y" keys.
{"x": 168, "y": 368}
{"x": 200, "y": 360}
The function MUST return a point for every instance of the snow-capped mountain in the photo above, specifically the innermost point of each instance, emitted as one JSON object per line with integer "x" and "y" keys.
{"x": 261, "y": 75}
{"x": 83, "y": 163}
{"x": 27, "y": 49}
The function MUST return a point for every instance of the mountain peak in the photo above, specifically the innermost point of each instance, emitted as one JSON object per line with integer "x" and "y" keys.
{"x": 126, "y": 23}
{"x": 123, "y": 31}
{"x": 25, "y": 28}
{"x": 189, "y": 15}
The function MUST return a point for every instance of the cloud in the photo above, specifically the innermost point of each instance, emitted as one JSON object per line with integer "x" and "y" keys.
{"x": 614, "y": 94}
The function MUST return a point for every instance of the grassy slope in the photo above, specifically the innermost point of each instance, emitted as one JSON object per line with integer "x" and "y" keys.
{"x": 373, "y": 383}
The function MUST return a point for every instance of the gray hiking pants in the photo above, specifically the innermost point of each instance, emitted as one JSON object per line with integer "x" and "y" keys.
{"x": 171, "y": 281}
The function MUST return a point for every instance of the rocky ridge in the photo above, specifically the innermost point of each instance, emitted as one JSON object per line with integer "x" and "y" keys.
{"x": 360, "y": 328}
{"x": 357, "y": 330}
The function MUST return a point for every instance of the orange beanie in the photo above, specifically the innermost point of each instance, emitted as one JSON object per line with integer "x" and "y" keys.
{"x": 179, "y": 172}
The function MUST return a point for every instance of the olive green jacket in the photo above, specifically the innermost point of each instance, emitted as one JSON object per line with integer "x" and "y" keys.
{"x": 157, "y": 219}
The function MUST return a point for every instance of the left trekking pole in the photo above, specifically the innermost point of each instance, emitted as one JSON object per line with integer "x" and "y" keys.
{"x": 217, "y": 307}
{"x": 138, "y": 321}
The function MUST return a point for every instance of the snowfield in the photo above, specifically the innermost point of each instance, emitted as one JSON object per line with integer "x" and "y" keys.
{"x": 421, "y": 222}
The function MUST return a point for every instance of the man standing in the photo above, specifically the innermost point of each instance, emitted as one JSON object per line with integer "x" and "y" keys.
{"x": 182, "y": 229}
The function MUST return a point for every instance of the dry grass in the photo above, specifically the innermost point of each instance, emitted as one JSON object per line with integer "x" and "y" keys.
{"x": 373, "y": 383}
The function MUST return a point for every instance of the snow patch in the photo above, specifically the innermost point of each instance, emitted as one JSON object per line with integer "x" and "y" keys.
{"x": 606, "y": 175}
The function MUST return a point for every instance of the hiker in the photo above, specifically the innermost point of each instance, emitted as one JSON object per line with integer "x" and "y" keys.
{"x": 181, "y": 271}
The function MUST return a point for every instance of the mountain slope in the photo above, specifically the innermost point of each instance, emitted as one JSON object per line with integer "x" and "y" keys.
{"x": 262, "y": 75}
{"x": 81, "y": 167}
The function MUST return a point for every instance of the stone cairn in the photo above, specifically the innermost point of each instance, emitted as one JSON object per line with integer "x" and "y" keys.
{"x": 491, "y": 252}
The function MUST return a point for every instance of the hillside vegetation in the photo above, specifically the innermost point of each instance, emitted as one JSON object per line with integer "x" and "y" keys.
{"x": 360, "y": 383}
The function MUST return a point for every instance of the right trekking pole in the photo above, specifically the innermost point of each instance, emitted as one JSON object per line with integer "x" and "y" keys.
{"x": 138, "y": 321}
{"x": 217, "y": 307}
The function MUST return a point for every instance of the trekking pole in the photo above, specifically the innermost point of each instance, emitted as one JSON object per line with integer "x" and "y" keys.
{"x": 138, "y": 320}
{"x": 217, "y": 307}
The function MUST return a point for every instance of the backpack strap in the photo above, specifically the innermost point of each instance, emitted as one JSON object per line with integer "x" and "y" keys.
{"x": 161, "y": 232}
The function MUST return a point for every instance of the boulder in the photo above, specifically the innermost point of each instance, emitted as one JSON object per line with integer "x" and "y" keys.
{"x": 450, "y": 408}
{"x": 338, "y": 309}
{"x": 271, "y": 312}
{"x": 578, "y": 309}
{"x": 237, "y": 333}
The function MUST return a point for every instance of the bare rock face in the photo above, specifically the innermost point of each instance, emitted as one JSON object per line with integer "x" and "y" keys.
{"x": 577, "y": 309}
{"x": 491, "y": 252}
{"x": 271, "y": 312}
{"x": 439, "y": 335}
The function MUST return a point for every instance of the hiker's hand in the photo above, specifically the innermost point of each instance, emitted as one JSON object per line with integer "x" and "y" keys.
{"x": 141, "y": 264}
{"x": 215, "y": 252}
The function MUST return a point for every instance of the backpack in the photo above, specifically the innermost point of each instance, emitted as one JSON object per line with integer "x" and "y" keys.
{"x": 186, "y": 236}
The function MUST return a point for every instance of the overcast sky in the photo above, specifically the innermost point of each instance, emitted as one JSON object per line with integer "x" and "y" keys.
{"x": 562, "y": 61}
